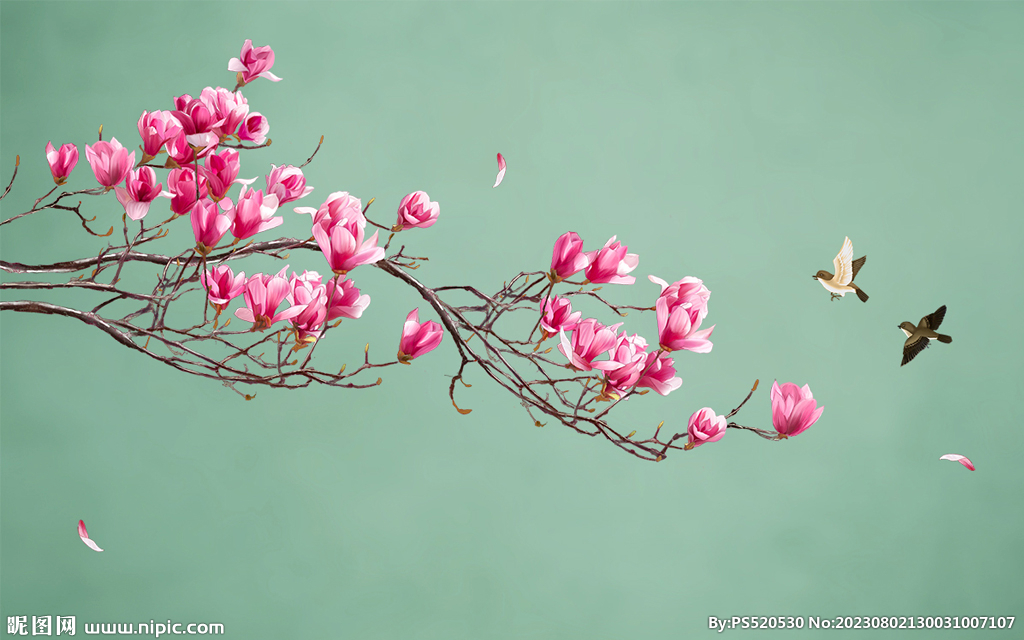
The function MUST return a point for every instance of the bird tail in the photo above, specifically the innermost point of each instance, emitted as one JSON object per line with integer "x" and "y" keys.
{"x": 945, "y": 339}
{"x": 860, "y": 293}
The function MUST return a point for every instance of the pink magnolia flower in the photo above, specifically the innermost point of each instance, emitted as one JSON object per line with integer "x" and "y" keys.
{"x": 590, "y": 340}
{"x": 263, "y": 294}
{"x": 222, "y": 286}
{"x": 794, "y": 409}
{"x": 156, "y": 129}
{"x": 254, "y": 128}
{"x": 679, "y": 328}
{"x": 611, "y": 263}
{"x": 221, "y": 171}
{"x": 688, "y": 291}
{"x": 418, "y": 338}
{"x": 631, "y": 353}
{"x": 568, "y": 257}
{"x": 287, "y": 183}
{"x": 180, "y": 153}
{"x": 198, "y": 121}
{"x": 345, "y": 302}
{"x": 209, "y": 225}
{"x": 182, "y": 185}
{"x": 61, "y": 162}
{"x": 140, "y": 190}
{"x": 252, "y": 63}
{"x": 338, "y": 207}
{"x": 110, "y": 162}
{"x": 416, "y": 210}
{"x": 308, "y": 292}
{"x": 228, "y": 107}
{"x": 252, "y": 214}
{"x": 344, "y": 246}
{"x": 703, "y": 427}
{"x": 557, "y": 315}
{"x": 660, "y": 373}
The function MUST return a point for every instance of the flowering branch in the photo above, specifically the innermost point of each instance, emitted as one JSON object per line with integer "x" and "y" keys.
{"x": 595, "y": 369}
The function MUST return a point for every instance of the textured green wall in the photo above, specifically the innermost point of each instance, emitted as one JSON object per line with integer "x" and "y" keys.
{"x": 736, "y": 142}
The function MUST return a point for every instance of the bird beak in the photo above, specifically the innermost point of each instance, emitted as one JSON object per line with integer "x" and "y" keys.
{"x": 814, "y": 277}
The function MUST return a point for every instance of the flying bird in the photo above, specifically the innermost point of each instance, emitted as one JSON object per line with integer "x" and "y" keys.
{"x": 920, "y": 336}
{"x": 846, "y": 270}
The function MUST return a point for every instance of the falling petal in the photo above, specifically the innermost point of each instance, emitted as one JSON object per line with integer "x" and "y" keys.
{"x": 84, "y": 535}
{"x": 958, "y": 458}
{"x": 501, "y": 170}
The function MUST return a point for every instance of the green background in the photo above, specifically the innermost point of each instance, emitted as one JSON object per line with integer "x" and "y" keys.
{"x": 735, "y": 142}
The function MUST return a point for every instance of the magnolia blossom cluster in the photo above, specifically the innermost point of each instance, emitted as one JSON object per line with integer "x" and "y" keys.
{"x": 681, "y": 307}
{"x": 200, "y": 178}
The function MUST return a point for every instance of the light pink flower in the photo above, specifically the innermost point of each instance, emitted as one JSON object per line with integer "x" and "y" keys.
{"x": 263, "y": 294}
{"x": 229, "y": 108}
{"x": 308, "y": 292}
{"x": 254, "y": 128}
{"x": 208, "y": 225}
{"x": 222, "y": 286}
{"x": 660, "y": 373}
{"x": 794, "y": 409}
{"x": 338, "y": 207}
{"x": 182, "y": 185}
{"x": 611, "y": 263}
{"x": 140, "y": 190}
{"x": 703, "y": 427}
{"x": 221, "y": 171}
{"x": 557, "y": 315}
{"x": 679, "y": 328}
{"x": 253, "y": 213}
{"x": 568, "y": 257}
{"x": 110, "y": 162}
{"x": 61, "y": 162}
{"x": 253, "y": 63}
{"x": 590, "y": 340}
{"x": 345, "y": 302}
{"x": 344, "y": 246}
{"x": 287, "y": 183}
{"x": 631, "y": 353}
{"x": 689, "y": 291}
{"x": 157, "y": 128}
{"x": 418, "y": 338}
{"x": 416, "y": 210}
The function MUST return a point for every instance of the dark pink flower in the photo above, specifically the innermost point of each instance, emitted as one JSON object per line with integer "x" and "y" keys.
{"x": 611, "y": 263}
{"x": 660, "y": 373}
{"x": 221, "y": 171}
{"x": 229, "y": 108}
{"x": 222, "y": 286}
{"x": 263, "y": 294}
{"x": 254, "y": 128}
{"x": 557, "y": 315}
{"x": 346, "y": 301}
{"x": 679, "y": 328}
{"x": 418, "y": 339}
{"x": 184, "y": 194}
{"x": 590, "y": 340}
{"x": 689, "y": 291}
{"x": 343, "y": 243}
{"x": 703, "y": 427}
{"x": 252, "y": 214}
{"x": 568, "y": 257}
{"x": 308, "y": 292}
{"x": 208, "y": 225}
{"x": 140, "y": 190}
{"x": 631, "y": 353}
{"x": 61, "y": 162}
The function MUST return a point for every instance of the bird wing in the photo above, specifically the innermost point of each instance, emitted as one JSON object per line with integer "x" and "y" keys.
{"x": 844, "y": 264}
{"x": 912, "y": 347}
{"x": 935, "y": 319}
{"x": 857, "y": 264}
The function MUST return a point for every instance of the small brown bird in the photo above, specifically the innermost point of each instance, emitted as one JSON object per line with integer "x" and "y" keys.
{"x": 920, "y": 336}
{"x": 846, "y": 270}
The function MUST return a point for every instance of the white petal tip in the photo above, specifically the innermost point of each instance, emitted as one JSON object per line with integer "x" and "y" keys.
{"x": 958, "y": 458}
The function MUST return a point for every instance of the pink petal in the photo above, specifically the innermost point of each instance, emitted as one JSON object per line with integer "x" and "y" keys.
{"x": 84, "y": 535}
{"x": 501, "y": 170}
{"x": 959, "y": 458}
